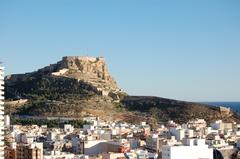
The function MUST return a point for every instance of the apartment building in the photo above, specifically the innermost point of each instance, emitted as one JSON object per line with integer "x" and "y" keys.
{"x": 1, "y": 112}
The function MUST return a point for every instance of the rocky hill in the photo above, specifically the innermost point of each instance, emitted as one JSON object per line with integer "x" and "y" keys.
{"x": 91, "y": 70}
{"x": 78, "y": 86}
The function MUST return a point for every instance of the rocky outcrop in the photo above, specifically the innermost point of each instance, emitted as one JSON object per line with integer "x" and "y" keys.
{"x": 89, "y": 69}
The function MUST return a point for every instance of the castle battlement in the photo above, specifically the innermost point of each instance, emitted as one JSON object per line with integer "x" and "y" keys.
{"x": 83, "y": 58}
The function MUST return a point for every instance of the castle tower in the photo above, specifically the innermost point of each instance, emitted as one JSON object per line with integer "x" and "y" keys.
{"x": 1, "y": 112}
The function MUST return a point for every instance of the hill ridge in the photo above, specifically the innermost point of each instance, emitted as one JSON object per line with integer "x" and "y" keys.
{"x": 78, "y": 86}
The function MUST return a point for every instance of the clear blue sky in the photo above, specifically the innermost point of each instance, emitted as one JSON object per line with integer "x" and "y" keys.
{"x": 181, "y": 49}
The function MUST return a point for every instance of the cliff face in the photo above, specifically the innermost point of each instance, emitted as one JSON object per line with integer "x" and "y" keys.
{"x": 89, "y": 69}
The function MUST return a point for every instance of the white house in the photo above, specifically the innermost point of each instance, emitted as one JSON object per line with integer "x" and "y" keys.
{"x": 191, "y": 149}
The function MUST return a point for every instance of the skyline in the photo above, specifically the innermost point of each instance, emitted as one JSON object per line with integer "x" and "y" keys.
{"x": 187, "y": 51}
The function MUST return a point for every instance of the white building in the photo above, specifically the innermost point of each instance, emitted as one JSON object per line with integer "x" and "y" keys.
{"x": 1, "y": 112}
{"x": 27, "y": 139}
{"x": 191, "y": 149}
{"x": 197, "y": 124}
{"x": 218, "y": 143}
{"x": 52, "y": 136}
{"x": 59, "y": 154}
{"x": 87, "y": 127}
{"x": 181, "y": 133}
{"x": 68, "y": 128}
{"x": 7, "y": 120}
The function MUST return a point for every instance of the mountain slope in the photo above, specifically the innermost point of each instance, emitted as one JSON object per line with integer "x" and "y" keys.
{"x": 80, "y": 86}
{"x": 164, "y": 109}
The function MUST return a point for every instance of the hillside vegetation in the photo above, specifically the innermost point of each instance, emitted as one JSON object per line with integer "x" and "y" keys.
{"x": 67, "y": 96}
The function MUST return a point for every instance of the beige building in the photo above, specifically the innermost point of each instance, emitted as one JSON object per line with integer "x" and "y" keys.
{"x": 26, "y": 151}
{"x": 9, "y": 153}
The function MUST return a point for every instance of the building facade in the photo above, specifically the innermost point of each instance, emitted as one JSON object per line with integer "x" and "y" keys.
{"x": 191, "y": 149}
{"x": 1, "y": 112}
{"x": 25, "y": 151}
{"x": 10, "y": 153}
